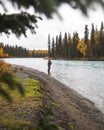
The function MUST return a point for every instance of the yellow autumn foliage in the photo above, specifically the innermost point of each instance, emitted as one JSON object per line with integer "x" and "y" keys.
{"x": 4, "y": 67}
{"x": 1, "y": 52}
{"x": 82, "y": 47}
{"x": 41, "y": 51}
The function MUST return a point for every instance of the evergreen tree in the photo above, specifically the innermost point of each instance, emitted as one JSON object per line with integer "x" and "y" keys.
{"x": 56, "y": 47}
{"x": 60, "y": 46}
{"x": 65, "y": 46}
{"x": 86, "y": 39}
{"x": 92, "y": 42}
{"x": 53, "y": 49}
{"x": 75, "y": 52}
{"x": 69, "y": 45}
{"x": 49, "y": 44}
{"x": 96, "y": 47}
{"x": 101, "y": 40}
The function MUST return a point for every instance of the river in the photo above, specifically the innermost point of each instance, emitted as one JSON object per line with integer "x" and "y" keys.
{"x": 85, "y": 77}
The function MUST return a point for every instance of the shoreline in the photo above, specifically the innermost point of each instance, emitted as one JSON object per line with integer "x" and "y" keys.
{"x": 73, "y": 107}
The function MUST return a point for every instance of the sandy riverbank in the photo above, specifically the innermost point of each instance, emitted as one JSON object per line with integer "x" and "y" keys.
{"x": 73, "y": 108}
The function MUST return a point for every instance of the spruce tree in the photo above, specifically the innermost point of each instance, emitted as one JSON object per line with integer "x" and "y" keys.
{"x": 86, "y": 33}
{"x": 101, "y": 40}
{"x": 65, "y": 46}
{"x": 53, "y": 48}
{"x": 92, "y": 42}
{"x": 75, "y": 40}
{"x": 56, "y": 47}
{"x": 60, "y": 46}
{"x": 49, "y": 46}
{"x": 86, "y": 39}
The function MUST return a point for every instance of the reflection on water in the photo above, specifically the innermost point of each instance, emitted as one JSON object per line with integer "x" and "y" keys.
{"x": 86, "y": 77}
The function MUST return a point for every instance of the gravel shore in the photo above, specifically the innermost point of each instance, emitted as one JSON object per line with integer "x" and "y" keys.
{"x": 74, "y": 110}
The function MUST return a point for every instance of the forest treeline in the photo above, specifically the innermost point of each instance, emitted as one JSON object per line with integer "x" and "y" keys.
{"x": 18, "y": 51}
{"x": 91, "y": 46}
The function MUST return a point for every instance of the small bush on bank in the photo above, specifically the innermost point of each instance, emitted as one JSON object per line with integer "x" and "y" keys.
{"x": 8, "y": 82}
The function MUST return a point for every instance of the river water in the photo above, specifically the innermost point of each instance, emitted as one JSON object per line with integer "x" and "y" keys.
{"x": 85, "y": 77}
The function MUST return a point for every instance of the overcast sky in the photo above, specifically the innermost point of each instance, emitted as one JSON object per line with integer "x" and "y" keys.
{"x": 73, "y": 20}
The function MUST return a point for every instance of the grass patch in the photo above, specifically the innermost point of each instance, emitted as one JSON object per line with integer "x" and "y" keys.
{"x": 32, "y": 88}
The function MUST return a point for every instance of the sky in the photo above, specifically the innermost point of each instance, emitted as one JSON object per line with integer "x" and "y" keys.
{"x": 72, "y": 20}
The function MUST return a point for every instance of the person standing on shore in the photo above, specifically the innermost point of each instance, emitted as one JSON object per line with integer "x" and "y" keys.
{"x": 49, "y": 66}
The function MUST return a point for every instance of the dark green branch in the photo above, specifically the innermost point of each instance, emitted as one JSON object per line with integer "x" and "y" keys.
{"x": 18, "y": 23}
